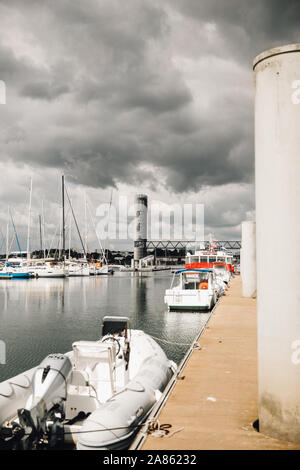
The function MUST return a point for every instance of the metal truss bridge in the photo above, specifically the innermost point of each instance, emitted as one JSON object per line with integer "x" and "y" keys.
{"x": 232, "y": 245}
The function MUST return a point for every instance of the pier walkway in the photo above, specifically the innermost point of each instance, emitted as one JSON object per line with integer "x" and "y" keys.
{"x": 216, "y": 400}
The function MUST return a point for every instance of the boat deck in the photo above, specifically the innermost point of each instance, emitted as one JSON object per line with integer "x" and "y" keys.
{"x": 216, "y": 401}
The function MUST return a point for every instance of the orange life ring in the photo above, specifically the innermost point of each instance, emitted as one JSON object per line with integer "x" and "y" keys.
{"x": 203, "y": 285}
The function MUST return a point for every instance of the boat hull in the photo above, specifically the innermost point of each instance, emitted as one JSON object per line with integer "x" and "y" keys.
{"x": 5, "y": 276}
{"x": 21, "y": 275}
{"x": 78, "y": 274}
{"x": 51, "y": 275}
{"x": 119, "y": 418}
{"x": 191, "y": 300}
{"x": 125, "y": 409}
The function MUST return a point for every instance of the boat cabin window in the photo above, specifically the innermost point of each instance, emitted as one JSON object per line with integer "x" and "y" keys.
{"x": 220, "y": 267}
{"x": 190, "y": 285}
{"x": 212, "y": 259}
{"x": 221, "y": 259}
{"x": 203, "y": 259}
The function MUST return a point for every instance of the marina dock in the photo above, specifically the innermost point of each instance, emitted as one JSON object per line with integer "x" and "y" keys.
{"x": 215, "y": 402}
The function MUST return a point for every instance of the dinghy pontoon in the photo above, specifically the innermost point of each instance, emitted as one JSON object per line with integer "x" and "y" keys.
{"x": 95, "y": 396}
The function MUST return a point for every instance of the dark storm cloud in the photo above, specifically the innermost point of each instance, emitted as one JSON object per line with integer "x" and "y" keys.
{"x": 139, "y": 93}
{"x": 113, "y": 80}
{"x": 14, "y": 71}
{"x": 247, "y": 28}
{"x": 43, "y": 90}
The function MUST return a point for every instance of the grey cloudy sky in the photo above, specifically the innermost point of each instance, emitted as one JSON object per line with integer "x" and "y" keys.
{"x": 142, "y": 95}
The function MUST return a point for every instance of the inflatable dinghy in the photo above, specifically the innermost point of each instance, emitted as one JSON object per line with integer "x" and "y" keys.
{"x": 95, "y": 397}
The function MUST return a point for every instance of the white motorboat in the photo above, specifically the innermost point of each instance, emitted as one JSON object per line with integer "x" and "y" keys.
{"x": 197, "y": 289}
{"x": 206, "y": 259}
{"x": 95, "y": 396}
{"x": 222, "y": 272}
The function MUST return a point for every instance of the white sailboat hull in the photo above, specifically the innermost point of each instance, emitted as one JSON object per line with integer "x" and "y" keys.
{"x": 79, "y": 272}
{"x": 95, "y": 271}
{"x": 50, "y": 273}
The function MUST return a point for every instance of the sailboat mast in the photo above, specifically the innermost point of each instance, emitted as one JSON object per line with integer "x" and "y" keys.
{"x": 99, "y": 241}
{"x": 41, "y": 238}
{"x": 7, "y": 234}
{"x": 70, "y": 233}
{"x": 76, "y": 224}
{"x": 43, "y": 229}
{"x": 63, "y": 215}
{"x": 85, "y": 223}
{"x": 16, "y": 234}
{"x": 29, "y": 220}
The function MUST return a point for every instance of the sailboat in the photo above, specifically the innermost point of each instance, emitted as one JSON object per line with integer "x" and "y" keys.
{"x": 14, "y": 269}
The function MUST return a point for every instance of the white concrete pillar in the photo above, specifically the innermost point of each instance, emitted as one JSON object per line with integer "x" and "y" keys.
{"x": 248, "y": 259}
{"x": 277, "y": 173}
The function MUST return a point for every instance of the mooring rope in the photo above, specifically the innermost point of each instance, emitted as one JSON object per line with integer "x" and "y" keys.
{"x": 194, "y": 345}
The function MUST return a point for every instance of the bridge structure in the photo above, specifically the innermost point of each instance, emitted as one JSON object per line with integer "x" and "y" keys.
{"x": 170, "y": 245}
{"x": 175, "y": 250}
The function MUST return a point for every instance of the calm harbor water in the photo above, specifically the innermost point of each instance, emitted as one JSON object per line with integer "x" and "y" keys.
{"x": 42, "y": 316}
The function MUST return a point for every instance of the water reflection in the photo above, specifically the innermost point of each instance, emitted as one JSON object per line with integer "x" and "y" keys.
{"x": 41, "y": 316}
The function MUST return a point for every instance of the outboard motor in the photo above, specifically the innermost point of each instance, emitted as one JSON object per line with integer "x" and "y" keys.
{"x": 40, "y": 422}
{"x": 49, "y": 385}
